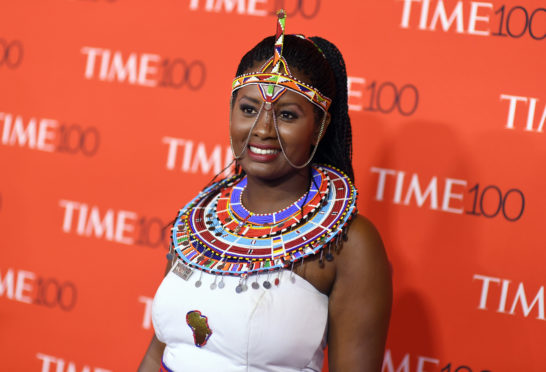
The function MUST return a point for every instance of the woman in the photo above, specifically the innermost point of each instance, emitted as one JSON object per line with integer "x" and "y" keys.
{"x": 273, "y": 263}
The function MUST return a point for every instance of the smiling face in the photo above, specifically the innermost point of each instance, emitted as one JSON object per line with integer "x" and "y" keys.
{"x": 298, "y": 129}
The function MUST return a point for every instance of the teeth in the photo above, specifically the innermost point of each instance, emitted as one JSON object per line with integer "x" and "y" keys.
{"x": 257, "y": 150}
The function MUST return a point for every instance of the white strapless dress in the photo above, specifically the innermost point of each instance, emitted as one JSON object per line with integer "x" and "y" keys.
{"x": 281, "y": 329}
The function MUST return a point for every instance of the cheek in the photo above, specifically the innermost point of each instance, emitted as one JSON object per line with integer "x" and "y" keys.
{"x": 239, "y": 127}
{"x": 300, "y": 134}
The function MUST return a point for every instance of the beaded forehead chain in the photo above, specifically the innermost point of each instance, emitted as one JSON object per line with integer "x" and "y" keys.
{"x": 272, "y": 85}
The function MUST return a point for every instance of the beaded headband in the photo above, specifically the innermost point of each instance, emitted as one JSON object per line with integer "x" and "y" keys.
{"x": 274, "y": 84}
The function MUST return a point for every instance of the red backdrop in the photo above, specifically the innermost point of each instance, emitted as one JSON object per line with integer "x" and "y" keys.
{"x": 114, "y": 113}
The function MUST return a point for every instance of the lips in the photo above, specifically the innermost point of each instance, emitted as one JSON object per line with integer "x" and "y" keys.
{"x": 262, "y": 153}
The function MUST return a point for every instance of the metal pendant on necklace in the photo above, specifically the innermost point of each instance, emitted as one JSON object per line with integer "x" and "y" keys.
{"x": 182, "y": 270}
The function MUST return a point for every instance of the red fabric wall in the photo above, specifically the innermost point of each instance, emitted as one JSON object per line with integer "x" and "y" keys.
{"x": 114, "y": 113}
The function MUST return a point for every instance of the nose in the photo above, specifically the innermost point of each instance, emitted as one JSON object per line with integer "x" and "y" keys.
{"x": 265, "y": 127}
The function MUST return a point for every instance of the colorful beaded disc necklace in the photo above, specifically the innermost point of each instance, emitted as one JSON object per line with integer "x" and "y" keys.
{"x": 216, "y": 234}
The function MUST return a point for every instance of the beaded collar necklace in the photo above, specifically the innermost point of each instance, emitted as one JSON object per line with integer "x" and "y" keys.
{"x": 214, "y": 232}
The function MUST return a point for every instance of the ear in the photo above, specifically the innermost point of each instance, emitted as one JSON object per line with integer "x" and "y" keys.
{"x": 317, "y": 135}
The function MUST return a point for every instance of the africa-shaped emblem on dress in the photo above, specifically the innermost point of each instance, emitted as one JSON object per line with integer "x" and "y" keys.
{"x": 199, "y": 326}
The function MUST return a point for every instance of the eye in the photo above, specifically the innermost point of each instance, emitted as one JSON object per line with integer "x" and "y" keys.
{"x": 248, "y": 110}
{"x": 288, "y": 115}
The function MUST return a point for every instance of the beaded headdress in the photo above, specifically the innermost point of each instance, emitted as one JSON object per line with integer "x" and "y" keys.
{"x": 274, "y": 84}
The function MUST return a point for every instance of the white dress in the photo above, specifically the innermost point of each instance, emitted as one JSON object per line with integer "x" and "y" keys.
{"x": 281, "y": 329}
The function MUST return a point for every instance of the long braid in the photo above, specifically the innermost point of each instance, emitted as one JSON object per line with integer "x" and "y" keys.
{"x": 336, "y": 148}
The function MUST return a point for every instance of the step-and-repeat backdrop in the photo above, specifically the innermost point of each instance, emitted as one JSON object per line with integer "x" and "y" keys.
{"x": 113, "y": 113}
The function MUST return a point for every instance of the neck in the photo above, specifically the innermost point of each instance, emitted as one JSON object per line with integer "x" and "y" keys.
{"x": 268, "y": 196}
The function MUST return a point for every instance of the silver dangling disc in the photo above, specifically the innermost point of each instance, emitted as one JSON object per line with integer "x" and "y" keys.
{"x": 213, "y": 286}
{"x": 267, "y": 285}
{"x": 329, "y": 256}
{"x": 239, "y": 288}
{"x": 292, "y": 275}
{"x": 255, "y": 285}
{"x": 221, "y": 284}
{"x": 198, "y": 283}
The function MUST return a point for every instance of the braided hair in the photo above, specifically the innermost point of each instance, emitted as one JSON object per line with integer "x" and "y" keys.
{"x": 322, "y": 64}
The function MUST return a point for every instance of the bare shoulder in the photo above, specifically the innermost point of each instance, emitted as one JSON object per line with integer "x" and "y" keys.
{"x": 363, "y": 246}
{"x": 362, "y": 228}
{"x": 362, "y": 265}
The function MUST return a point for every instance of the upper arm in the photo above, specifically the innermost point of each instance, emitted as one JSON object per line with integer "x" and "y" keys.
{"x": 360, "y": 302}
{"x": 152, "y": 359}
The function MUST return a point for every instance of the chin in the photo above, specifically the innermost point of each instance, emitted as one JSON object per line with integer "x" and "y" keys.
{"x": 269, "y": 171}
{"x": 266, "y": 171}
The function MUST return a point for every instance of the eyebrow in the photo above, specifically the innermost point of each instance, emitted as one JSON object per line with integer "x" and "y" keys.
{"x": 251, "y": 99}
{"x": 290, "y": 104}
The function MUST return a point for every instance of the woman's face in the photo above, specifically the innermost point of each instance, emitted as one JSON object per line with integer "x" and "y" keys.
{"x": 298, "y": 132}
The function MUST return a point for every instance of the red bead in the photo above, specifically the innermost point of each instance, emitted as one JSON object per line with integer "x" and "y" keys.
{"x": 277, "y": 281}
